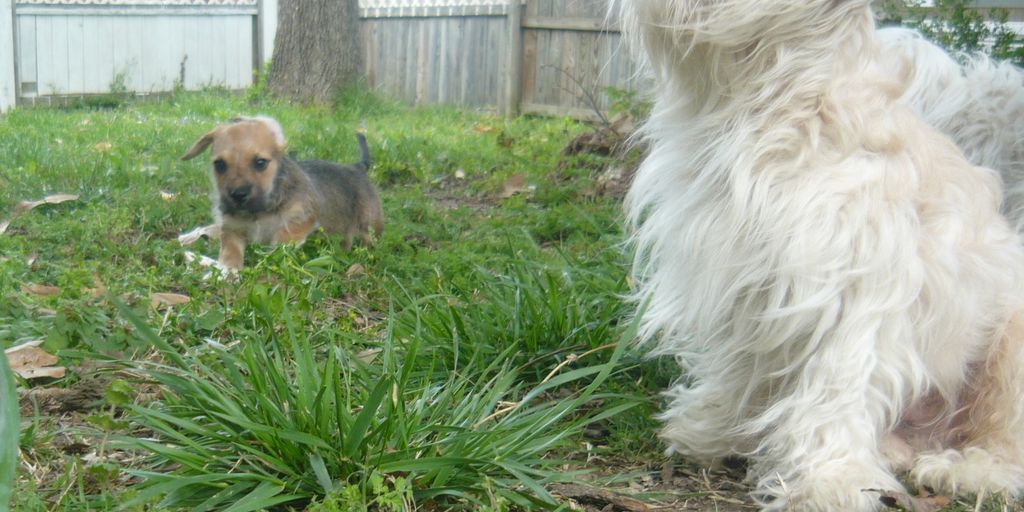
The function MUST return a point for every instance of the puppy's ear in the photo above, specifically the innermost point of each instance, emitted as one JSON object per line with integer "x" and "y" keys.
{"x": 201, "y": 144}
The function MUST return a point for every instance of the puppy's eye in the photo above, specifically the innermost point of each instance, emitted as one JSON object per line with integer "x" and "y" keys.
{"x": 260, "y": 164}
{"x": 220, "y": 166}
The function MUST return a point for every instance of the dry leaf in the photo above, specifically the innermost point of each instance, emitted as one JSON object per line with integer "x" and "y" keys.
{"x": 622, "y": 124}
{"x": 30, "y": 362}
{"x": 43, "y": 290}
{"x": 367, "y": 356}
{"x": 460, "y": 174}
{"x": 31, "y": 260}
{"x": 167, "y": 299}
{"x": 25, "y": 206}
{"x": 922, "y": 503}
{"x": 167, "y": 196}
{"x": 355, "y": 270}
{"x": 212, "y": 231}
{"x": 611, "y": 499}
{"x": 515, "y": 184}
{"x": 52, "y": 372}
{"x": 103, "y": 146}
{"x": 482, "y": 128}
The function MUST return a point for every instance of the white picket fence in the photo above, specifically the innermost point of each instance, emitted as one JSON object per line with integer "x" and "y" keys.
{"x": 54, "y": 49}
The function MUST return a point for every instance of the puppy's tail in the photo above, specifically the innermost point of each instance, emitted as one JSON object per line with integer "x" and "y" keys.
{"x": 364, "y": 151}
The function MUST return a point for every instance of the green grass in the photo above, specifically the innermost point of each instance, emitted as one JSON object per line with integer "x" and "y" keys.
{"x": 9, "y": 422}
{"x": 452, "y": 365}
{"x": 287, "y": 423}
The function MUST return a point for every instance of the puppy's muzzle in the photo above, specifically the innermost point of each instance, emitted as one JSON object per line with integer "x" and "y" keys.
{"x": 239, "y": 195}
{"x": 245, "y": 198}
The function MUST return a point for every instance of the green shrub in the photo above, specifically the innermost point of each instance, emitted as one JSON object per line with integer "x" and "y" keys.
{"x": 957, "y": 27}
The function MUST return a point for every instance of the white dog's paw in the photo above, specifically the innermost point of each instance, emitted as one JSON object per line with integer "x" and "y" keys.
{"x": 848, "y": 488}
{"x": 897, "y": 452}
{"x": 973, "y": 470}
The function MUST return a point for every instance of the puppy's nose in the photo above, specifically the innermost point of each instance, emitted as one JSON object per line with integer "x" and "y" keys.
{"x": 240, "y": 194}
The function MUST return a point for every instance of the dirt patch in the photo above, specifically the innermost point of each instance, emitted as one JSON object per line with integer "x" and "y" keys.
{"x": 452, "y": 192}
{"x": 70, "y": 450}
{"x": 621, "y": 157}
{"x": 82, "y": 396}
{"x": 616, "y": 487}
{"x": 669, "y": 486}
{"x": 364, "y": 317}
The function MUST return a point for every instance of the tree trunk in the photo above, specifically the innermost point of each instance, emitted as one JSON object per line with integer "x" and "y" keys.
{"x": 317, "y": 50}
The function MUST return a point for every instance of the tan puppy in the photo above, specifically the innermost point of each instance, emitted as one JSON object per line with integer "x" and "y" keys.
{"x": 262, "y": 195}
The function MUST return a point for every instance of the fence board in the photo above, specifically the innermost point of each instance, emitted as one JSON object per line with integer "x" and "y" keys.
{"x": 97, "y": 65}
{"x": 76, "y": 55}
{"x": 45, "y": 53}
{"x": 8, "y": 66}
{"x": 27, "y": 50}
{"x": 457, "y": 60}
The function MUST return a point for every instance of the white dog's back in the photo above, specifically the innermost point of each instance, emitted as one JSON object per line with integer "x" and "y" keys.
{"x": 979, "y": 104}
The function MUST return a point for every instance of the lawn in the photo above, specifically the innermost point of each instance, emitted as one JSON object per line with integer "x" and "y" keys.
{"x": 476, "y": 357}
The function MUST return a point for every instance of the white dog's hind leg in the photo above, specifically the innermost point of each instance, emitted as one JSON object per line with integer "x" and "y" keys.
{"x": 992, "y": 428}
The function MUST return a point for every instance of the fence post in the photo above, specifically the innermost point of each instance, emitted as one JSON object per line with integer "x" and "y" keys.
{"x": 514, "y": 58}
{"x": 8, "y": 82}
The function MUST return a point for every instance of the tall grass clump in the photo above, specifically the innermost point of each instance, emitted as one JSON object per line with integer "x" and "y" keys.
{"x": 542, "y": 309}
{"x": 9, "y": 421}
{"x": 280, "y": 420}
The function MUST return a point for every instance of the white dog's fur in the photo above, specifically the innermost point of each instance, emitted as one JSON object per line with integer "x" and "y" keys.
{"x": 979, "y": 104}
{"x": 833, "y": 275}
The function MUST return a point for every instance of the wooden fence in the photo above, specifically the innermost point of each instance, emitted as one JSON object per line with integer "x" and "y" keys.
{"x": 547, "y": 56}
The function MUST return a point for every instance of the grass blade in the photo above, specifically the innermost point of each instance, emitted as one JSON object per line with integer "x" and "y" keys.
{"x": 265, "y": 495}
{"x": 320, "y": 470}
{"x": 365, "y": 417}
{"x": 9, "y": 421}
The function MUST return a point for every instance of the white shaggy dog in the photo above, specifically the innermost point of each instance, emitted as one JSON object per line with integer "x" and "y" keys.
{"x": 834, "y": 276}
{"x": 979, "y": 104}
